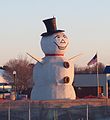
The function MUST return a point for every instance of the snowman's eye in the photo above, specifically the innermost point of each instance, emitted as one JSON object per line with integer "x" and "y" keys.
{"x": 64, "y": 36}
{"x": 57, "y": 36}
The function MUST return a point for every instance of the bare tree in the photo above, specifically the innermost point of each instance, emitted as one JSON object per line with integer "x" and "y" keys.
{"x": 90, "y": 69}
{"x": 101, "y": 67}
{"x": 23, "y": 70}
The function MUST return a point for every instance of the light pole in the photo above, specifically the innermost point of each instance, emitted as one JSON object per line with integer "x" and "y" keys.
{"x": 14, "y": 76}
{"x": 13, "y": 92}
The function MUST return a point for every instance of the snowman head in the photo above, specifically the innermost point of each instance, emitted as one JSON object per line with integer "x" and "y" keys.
{"x": 56, "y": 43}
{"x": 53, "y": 41}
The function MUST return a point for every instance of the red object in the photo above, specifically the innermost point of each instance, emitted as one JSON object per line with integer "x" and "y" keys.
{"x": 54, "y": 54}
{"x": 90, "y": 96}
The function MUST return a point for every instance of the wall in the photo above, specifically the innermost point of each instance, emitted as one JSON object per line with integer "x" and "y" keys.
{"x": 90, "y": 80}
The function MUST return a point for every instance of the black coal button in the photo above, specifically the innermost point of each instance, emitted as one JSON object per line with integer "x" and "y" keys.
{"x": 66, "y": 79}
{"x": 66, "y": 64}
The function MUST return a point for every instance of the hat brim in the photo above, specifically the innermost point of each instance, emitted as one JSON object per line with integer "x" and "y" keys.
{"x": 50, "y": 33}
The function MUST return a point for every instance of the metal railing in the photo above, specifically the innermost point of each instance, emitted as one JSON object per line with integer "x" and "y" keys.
{"x": 55, "y": 110}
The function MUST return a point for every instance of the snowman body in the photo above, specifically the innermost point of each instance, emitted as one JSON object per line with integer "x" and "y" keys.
{"x": 53, "y": 77}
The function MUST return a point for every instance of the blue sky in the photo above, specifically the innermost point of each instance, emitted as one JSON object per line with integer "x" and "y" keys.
{"x": 86, "y": 23}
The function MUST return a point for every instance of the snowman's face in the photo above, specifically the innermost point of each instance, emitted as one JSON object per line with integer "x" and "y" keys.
{"x": 55, "y": 43}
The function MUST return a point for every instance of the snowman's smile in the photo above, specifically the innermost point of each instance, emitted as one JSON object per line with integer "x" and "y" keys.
{"x": 61, "y": 47}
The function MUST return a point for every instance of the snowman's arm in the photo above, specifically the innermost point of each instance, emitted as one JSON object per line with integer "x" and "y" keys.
{"x": 35, "y": 58}
{"x": 74, "y": 58}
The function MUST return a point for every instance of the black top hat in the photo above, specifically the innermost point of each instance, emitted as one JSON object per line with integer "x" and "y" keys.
{"x": 51, "y": 27}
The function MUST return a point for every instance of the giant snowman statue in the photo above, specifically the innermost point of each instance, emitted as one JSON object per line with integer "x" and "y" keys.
{"x": 53, "y": 75}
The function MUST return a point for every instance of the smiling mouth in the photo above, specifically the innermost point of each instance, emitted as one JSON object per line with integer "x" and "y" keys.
{"x": 60, "y": 47}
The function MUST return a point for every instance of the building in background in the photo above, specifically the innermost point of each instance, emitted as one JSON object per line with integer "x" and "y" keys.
{"x": 107, "y": 72}
{"x": 5, "y": 87}
{"x": 86, "y": 84}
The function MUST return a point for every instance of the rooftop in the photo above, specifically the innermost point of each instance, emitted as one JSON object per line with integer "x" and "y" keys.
{"x": 107, "y": 69}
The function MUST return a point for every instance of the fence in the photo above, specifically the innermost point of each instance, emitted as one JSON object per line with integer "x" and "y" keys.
{"x": 89, "y": 109}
